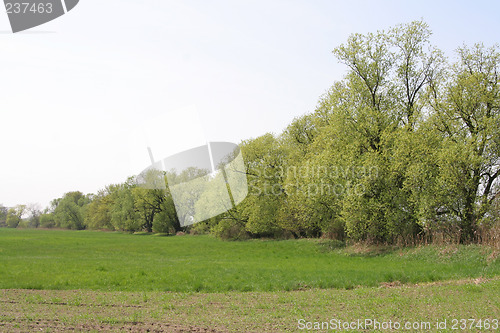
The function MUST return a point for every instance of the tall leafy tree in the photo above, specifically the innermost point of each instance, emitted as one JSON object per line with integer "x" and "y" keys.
{"x": 265, "y": 159}
{"x": 467, "y": 115}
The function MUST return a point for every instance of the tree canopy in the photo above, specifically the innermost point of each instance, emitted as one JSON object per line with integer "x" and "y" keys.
{"x": 406, "y": 146}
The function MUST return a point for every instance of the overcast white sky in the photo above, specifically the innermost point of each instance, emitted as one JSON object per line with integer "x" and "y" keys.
{"x": 74, "y": 90}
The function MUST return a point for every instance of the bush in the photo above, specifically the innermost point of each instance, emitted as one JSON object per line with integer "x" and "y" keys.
{"x": 163, "y": 224}
{"x": 47, "y": 221}
{"x": 230, "y": 230}
{"x": 201, "y": 228}
{"x": 13, "y": 218}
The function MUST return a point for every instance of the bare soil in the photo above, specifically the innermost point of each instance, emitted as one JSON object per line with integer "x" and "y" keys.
{"x": 85, "y": 311}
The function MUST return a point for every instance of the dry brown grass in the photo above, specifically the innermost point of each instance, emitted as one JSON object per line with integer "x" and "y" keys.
{"x": 489, "y": 235}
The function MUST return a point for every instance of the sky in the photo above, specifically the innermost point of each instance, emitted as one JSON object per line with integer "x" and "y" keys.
{"x": 83, "y": 96}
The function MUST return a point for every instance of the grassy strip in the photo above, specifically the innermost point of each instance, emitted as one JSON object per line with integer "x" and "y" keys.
{"x": 67, "y": 260}
{"x": 251, "y": 312}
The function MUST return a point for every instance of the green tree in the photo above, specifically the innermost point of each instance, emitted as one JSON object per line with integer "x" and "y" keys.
{"x": 374, "y": 115}
{"x": 3, "y": 216}
{"x": 14, "y": 215}
{"x": 98, "y": 214}
{"x": 148, "y": 203}
{"x": 69, "y": 210}
{"x": 47, "y": 220}
{"x": 467, "y": 115}
{"x": 34, "y": 211}
{"x": 265, "y": 160}
{"x": 123, "y": 214}
{"x": 166, "y": 221}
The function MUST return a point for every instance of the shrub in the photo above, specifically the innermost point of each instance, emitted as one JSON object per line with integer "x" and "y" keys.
{"x": 201, "y": 228}
{"x": 47, "y": 221}
{"x": 163, "y": 224}
{"x": 230, "y": 230}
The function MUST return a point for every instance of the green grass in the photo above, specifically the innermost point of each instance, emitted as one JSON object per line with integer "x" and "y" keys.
{"x": 95, "y": 311}
{"x": 56, "y": 259}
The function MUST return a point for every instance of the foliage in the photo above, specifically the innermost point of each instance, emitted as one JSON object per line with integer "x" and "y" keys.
{"x": 229, "y": 229}
{"x": 47, "y": 221}
{"x": 69, "y": 210}
{"x": 34, "y": 211}
{"x": 3, "y": 216}
{"x": 99, "y": 211}
{"x": 14, "y": 216}
{"x": 406, "y": 146}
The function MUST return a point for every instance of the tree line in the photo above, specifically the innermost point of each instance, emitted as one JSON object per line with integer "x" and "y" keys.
{"x": 406, "y": 146}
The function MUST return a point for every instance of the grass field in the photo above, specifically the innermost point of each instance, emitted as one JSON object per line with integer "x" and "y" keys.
{"x": 53, "y": 280}
{"x": 91, "y": 311}
{"x": 41, "y": 259}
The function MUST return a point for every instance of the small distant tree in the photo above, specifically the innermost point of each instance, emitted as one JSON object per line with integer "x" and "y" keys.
{"x": 14, "y": 215}
{"x": 166, "y": 219}
{"x": 98, "y": 212}
{"x": 147, "y": 203}
{"x": 34, "y": 210}
{"x": 3, "y": 216}
{"x": 69, "y": 211}
{"x": 123, "y": 215}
